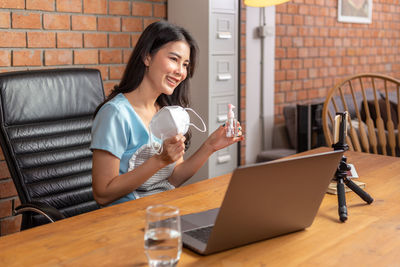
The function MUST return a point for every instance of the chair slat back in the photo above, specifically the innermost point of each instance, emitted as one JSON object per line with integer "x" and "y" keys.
{"x": 372, "y": 103}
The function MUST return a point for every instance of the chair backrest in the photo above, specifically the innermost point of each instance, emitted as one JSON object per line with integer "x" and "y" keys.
{"x": 45, "y": 121}
{"x": 372, "y": 103}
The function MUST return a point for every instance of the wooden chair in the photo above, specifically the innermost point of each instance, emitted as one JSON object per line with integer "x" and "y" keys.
{"x": 374, "y": 121}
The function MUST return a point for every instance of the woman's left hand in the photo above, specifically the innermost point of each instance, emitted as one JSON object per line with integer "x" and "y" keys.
{"x": 218, "y": 140}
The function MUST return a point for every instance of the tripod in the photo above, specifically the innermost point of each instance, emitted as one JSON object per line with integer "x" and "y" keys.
{"x": 341, "y": 173}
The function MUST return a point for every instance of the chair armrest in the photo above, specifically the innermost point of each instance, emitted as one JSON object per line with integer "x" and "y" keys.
{"x": 51, "y": 213}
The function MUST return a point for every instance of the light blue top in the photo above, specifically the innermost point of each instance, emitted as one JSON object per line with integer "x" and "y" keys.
{"x": 119, "y": 130}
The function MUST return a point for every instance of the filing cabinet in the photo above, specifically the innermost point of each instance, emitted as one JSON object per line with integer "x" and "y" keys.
{"x": 214, "y": 25}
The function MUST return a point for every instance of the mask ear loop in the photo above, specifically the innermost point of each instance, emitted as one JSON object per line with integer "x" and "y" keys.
{"x": 204, "y": 126}
{"x": 160, "y": 150}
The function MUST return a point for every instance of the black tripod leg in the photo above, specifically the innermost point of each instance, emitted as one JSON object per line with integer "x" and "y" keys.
{"x": 341, "y": 201}
{"x": 364, "y": 195}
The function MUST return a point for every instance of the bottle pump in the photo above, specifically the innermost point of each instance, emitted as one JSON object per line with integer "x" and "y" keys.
{"x": 231, "y": 124}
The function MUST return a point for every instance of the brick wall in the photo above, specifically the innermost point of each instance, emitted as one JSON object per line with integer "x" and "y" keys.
{"x": 314, "y": 50}
{"x": 36, "y": 34}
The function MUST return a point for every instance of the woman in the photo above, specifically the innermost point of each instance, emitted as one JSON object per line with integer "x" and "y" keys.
{"x": 155, "y": 76}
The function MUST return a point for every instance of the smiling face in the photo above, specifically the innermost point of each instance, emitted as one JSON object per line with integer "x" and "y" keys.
{"x": 168, "y": 67}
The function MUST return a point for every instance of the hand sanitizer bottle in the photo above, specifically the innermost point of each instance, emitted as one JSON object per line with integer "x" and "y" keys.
{"x": 231, "y": 123}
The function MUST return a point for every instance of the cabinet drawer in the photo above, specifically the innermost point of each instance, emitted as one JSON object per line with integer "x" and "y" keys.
{"x": 224, "y": 5}
{"x": 223, "y": 74}
{"x": 223, "y": 161}
{"x": 223, "y": 33}
{"x": 219, "y": 110}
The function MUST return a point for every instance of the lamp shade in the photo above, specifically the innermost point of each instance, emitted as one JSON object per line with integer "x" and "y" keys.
{"x": 263, "y": 3}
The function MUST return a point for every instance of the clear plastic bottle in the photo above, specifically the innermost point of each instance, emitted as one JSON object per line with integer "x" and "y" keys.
{"x": 231, "y": 123}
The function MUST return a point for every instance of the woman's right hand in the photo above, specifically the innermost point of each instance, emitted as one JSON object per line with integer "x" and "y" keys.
{"x": 173, "y": 149}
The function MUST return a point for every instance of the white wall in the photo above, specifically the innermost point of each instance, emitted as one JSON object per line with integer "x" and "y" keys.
{"x": 253, "y": 47}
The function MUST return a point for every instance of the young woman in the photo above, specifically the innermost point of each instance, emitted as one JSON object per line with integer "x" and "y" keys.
{"x": 125, "y": 166}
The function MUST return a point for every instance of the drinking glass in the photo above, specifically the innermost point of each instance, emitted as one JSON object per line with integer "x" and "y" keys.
{"x": 162, "y": 237}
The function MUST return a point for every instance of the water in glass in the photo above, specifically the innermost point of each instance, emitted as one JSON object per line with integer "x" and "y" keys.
{"x": 162, "y": 238}
{"x": 163, "y": 246}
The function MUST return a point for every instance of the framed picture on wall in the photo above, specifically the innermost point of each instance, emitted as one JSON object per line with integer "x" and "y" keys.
{"x": 355, "y": 11}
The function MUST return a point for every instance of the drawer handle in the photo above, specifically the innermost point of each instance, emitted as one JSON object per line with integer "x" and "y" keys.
{"x": 223, "y": 159}
{"x": 224, "y": 35}
{"x": 222, "y": 118}
{"x": 224, "y": 76}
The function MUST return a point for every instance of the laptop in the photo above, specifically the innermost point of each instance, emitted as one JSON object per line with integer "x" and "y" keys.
{"x": 262, "y": 201}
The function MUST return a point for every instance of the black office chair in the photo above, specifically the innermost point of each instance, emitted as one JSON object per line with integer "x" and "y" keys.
{"x": 45, "y": 133}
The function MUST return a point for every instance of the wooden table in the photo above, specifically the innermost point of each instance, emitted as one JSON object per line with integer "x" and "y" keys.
{"x": 113, "y": 236}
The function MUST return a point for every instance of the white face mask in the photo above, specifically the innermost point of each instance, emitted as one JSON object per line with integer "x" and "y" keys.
{"x": 170, "y": 121}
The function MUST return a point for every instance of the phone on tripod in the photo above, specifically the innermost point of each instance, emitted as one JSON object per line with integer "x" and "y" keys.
{"x": 340, "y": 131}
{"x": 339, "y": 137}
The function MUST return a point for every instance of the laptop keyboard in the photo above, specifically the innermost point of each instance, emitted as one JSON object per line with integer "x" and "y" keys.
{"x": 201, "y": 234}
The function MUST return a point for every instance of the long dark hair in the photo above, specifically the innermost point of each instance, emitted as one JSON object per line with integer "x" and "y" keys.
{"x": 155, "y": 36}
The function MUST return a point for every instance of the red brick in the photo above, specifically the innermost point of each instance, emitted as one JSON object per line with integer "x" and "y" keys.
{"x": 5, "y": 61}
{"x": 69, "y": 39}
{"x": 109, "y": 24}
{"x": 160, "y": 11}
{"x": 56, "y": 22}
{"x": 86, "y": 56}
{"x": 110, "y": 57}
{"x": 7, "y": 188}
{"x": 298, "y": 20}
{"x": 290, "y": 96}
{"x": 308, "y": 62}
{"x": 142, "y": 9}
{"x": 41, "y": 39}
{"x": 95, "y": 40}
{"x": 18, "y": 4}
{"x": 291, "y": 31}
{"x": 5, "y": 208}
{"x": 126, "y": 54}
{"x": 279, "y": 98}
{"x": 104, "y": 72}
{"x": 281, "y": 8}
{"x": 46, "y": 5}
{"x": 5, "y": 20}
{"x": 119, "y": 40}
{"x": 147, "y": 22}
{"x": 17, "y": 202}
{"x": 27, "y": 58}
{"x": 291, "y": 74}
{"x": 116, "y": 72}
{"x": 26, "y": 20}
{"x": 280, "y": 75}
{"x": 57, "y": 57}
{"x": 292, "y": 52}
{"x": 293, "y": 9}
{"x": 287, "y": 19}
{"x": 135, "y": 38}
{"x": 82, "y": 23}
{"x": 243, "y": 66}
{"x": 69, "y": 5}
{"x": 95, "y": 6}
{"x": 12, "y": 39}
{"x": 313, "y": 73}
{"x": 286, "y": 42}
{"x": 10, "y": 225}
{"x": 118, "y": 8}
{"x": 302, "y": 95}
{"x": 280, "y": 30}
